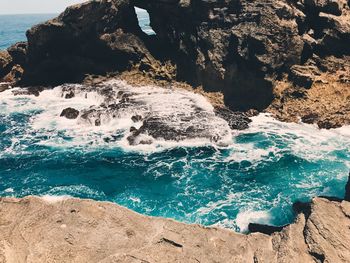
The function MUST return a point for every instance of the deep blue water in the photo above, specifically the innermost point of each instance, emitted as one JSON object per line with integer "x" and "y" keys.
{"x": 256, "y": 177}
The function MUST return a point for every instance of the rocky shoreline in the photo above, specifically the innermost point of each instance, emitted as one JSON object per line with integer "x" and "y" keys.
{"x": 54, "y": 229}
{"x": 289, "y": 58}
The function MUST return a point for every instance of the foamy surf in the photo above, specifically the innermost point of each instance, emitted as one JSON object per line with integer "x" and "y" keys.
{"x": 217, "y": 177}
{"x": 181, "y": 111}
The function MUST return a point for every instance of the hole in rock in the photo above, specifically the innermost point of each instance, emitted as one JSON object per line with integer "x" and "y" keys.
{"x": 144, "y": 21}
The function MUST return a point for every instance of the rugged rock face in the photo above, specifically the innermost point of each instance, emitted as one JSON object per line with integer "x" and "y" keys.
{"x": 5, "y": 63}
{"x": 93, "y": 37}
{"x": 251, "y": 50}
{"x": 276, "y": 55}
{"x": 237, "y": 47}
{"x": 242, "y": 47}
{"x": 71, "y": 230}
{"x": 325, "y": 103}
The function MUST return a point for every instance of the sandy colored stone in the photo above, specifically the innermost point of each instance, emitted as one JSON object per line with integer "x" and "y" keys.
{"x": 36, "y": 229}
{"x": 326, "y": 103}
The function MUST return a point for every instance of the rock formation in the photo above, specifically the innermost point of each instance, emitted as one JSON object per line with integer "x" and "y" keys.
{"x": 289, "y": 57}
{"x": 70, "y": 113}
{"x": 93, "y": 37}
{"x": 242, "y": 47}
{"x": 72, "y": 230}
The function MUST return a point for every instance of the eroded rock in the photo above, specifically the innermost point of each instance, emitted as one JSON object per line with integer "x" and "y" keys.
{"x": 18, "y": 52}
{"x": 70, "y": 113}
{"x": 94, "y": 37}
{"x": 5, "y": 63}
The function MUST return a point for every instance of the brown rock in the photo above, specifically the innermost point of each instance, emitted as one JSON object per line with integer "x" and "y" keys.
{"x": 303, "y": 76}
{"x": 310, "y": 118}
{"x": 42, "y": 230}
{"x": 5, "y": 63}
{"x": 14, "y": 75}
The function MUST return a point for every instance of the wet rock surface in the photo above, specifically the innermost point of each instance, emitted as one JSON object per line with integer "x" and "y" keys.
{"x": 70, "y": 113}
{"x": 155, "y": 113}
{"x": 347, "y": 190}
{"x": 236, "y": 120}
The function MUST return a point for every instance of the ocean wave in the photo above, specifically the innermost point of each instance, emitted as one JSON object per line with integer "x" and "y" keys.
{"x": 250, "y": 175}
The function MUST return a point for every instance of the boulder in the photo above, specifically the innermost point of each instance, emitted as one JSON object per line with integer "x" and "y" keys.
{"x": 70, "y": 113}
{"x": 310, "y": 118}
{"x": 236, "y": 120}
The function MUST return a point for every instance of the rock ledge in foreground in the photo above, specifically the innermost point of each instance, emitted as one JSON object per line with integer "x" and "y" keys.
{"x": 72, "y": 230}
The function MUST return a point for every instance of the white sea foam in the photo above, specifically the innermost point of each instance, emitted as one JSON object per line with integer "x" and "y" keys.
{"x": 9, "y": 190}
{"x": 302, "y": 140}
{"x": 219, "y": 204}
{"x": 171, "y": 106}
{"x": 245, "y": 217}
{"x": 306, "y": 141}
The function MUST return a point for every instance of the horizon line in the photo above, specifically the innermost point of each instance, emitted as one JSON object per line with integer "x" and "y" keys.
{"x": 11, "y": 14}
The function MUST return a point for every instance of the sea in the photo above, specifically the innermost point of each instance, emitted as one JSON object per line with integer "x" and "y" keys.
{"x": 255, "y": 176}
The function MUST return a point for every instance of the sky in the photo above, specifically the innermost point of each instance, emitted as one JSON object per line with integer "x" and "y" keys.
{"x": 35, "y": 6}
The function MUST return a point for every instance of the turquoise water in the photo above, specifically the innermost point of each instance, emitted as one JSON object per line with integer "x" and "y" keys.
{"x": 255, "y": 177}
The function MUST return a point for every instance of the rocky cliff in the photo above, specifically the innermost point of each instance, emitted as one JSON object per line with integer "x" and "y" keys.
{"x": 290, "y": 57}
{"x": 48, "y": 229}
